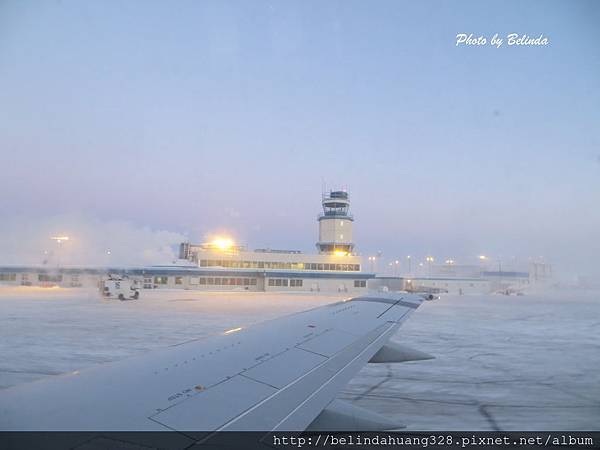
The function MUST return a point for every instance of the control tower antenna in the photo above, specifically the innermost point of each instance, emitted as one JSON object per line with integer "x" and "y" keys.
{"x": 335, "y": 224}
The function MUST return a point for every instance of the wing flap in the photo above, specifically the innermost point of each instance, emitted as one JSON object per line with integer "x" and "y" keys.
{"x": 328, "y": 343}
{"x": 209, "y": 409}
{"x": 296, "y": 405}
{"x": 284, "y": 368}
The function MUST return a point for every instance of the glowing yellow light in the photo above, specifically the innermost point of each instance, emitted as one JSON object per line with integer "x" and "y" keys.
{"x": 59, "y": 239}
{"x": 449, "y": 261}
{"x": 340, "y": 253}
{"x": 222, "y": 243}
{"x": 482, "y": 257}
{"x": 233, "y": 330}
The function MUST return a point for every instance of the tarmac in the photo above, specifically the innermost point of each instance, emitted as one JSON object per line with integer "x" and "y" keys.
{"x": 527, "y": 362}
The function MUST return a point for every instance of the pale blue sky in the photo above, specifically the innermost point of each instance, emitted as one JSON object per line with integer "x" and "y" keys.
{"x": 198, "y": 116}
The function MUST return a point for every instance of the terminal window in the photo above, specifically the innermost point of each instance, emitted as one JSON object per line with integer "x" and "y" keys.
{"x": 218, "y": 281}
{"x": 278, "y": 265}
{"x": 50, "y": 278}
{"x": 160, "y": 280}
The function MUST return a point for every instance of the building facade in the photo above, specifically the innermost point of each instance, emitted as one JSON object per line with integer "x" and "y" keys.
{"x": 435, "y": 285}
{"x": 334, "y": 268}
{"x": 221, "y": 265}
{"x": 181, "y": 277}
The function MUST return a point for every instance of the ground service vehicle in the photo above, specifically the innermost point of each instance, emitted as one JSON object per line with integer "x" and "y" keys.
{"x": 121, "y": 287}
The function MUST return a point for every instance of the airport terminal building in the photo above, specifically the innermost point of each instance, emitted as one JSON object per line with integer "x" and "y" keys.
{"x": 222, "y": 265}
{"x": 334, "y": 268}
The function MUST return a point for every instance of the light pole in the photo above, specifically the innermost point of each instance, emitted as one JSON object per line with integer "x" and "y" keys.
{"x": 483, "y": 261}
{"x": 372, "y": 260}
{"x": 396, "y": 267}
{"x": 409, "y": 267}
{"x": 429, "y": 260}
{"x": 500, "y": 271}
{"x": 59, "y": 240}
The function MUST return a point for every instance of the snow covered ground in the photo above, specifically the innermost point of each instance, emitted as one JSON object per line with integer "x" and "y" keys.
{"x": 530, "y": 362}
{"x": 502, "y": 363}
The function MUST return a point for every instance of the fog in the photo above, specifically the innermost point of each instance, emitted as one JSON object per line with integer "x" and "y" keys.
{"x": 91, "y": 242}
{"x": 133, "y": 127}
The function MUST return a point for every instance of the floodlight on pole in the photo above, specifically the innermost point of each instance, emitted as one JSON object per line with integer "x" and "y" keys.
{"x": 59, "y": 239}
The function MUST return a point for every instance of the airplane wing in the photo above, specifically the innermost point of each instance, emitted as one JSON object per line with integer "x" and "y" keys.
{"x": 280, "y": 375}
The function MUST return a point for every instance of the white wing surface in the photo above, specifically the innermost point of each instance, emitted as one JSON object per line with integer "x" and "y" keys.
{"x": 275, "y": 376}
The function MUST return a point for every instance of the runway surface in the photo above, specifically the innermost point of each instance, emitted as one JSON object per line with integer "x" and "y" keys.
{"x": 502, "y": 362}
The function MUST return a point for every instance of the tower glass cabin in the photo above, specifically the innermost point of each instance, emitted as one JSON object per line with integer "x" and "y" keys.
{"x": 335, "y": 224}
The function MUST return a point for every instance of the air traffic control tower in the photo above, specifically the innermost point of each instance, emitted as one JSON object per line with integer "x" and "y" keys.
{"x": 335, "y": 224}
